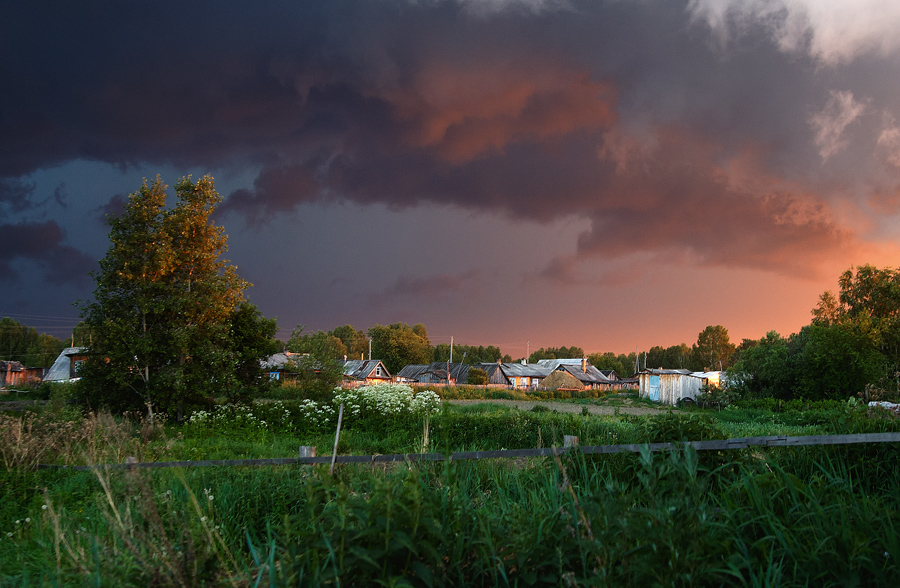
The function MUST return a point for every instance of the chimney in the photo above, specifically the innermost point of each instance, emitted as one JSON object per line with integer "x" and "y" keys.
{"x": 584, "y": 363}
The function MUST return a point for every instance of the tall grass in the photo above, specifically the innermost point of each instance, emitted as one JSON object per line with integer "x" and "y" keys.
{"x": 779, "y": 516}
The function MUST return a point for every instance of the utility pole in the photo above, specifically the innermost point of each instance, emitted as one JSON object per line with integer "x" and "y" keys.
{"x": 451, "y": 348}
{"x": 527, "y": 350}
{"x": 370, "y": 349}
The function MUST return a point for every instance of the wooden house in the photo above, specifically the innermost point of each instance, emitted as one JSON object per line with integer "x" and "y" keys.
{"x": 435, "y": 373}
{"x": 13, "y": 373}
{"x": 364, "y": 372}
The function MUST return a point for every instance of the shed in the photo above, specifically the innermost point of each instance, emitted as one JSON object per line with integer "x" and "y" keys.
{"x": 668, "y": 386}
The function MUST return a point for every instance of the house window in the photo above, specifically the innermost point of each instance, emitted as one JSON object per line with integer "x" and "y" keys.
{"x": 274, "y": 376}
{"x": 378, "y": 371}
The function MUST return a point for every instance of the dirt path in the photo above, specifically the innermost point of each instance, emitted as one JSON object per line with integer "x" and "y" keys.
{"x": 625, "y": 406}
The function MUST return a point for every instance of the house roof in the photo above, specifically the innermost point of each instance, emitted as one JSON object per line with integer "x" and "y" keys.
{"x": 525, "y": 370}
{"x": 436, "y": 372}
{"x": 591, "y": 376}
{"x": 555, "y": 363}
{"x": 11, "y": 366}
{"x": 361, "y": 369}
{"x": 60, "y": 371}
{"x": 412, "y": 371}
{"x": 663, "y": 372}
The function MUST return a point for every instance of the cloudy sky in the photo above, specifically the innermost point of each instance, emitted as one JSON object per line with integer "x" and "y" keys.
{"x": 607, "y": 174}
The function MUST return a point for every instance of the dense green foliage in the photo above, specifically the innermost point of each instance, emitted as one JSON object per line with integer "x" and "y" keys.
{"x": 468, "y": 354}
{"x": 556, "y": 353}
{"x": 19, "y": 342}
{"x": 851, "y": 347}
{"x": 622, "y": 364}
{"x": 168, "y": 322}
{"x": 399, "y": 345}
{"x": 822, "y": 361}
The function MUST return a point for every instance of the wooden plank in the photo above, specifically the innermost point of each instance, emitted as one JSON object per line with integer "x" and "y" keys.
{"x": 710, "y": 445}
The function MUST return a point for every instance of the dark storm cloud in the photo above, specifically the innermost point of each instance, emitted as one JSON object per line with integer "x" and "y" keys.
{"x": 15, "y": 195}
{"x": 426, "y": 288}
{"x": 39, "y": 246}
{"x": 626, "y": 113}
{"x": 112, "y": 209}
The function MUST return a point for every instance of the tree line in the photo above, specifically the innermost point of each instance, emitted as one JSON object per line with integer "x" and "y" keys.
{"x": 170, "y": 328}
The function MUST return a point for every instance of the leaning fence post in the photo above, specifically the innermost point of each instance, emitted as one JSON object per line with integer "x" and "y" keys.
{"x": 337, "y": 434}
{"x": 570, "y": 441}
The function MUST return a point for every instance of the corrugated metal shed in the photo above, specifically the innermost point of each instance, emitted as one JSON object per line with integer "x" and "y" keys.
{"x": 668, "y": 386}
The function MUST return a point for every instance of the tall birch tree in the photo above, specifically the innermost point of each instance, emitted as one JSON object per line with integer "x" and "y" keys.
{"x": 162, "y": 312}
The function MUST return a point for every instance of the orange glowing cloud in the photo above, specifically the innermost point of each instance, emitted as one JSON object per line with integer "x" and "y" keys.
{"x": 683, "y": 194}
{"x": 464, "y": 110}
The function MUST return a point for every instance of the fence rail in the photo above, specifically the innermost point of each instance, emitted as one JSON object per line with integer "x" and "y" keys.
{"x": 714, "y": 445}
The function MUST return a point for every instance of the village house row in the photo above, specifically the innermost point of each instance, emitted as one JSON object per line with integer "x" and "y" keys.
{"x": 667, "y": 386}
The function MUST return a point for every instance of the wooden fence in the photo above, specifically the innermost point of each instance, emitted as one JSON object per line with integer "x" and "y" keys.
{"x": 714, "y": 445}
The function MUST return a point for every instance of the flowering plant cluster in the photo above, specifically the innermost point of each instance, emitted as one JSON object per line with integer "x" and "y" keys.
{"x": 386, "y": 400}
{"x": 229, "y": 420}
{"x": 316, "y": 415}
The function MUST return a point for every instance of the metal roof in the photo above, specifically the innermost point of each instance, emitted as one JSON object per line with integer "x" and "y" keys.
{"x": 362, "y": 368}
{"x": 662, "y": 372}
{"x": 592, "y": 375}
{"x": 60, "y": 371}
{"x": 412, "y": 371}
{"x": 525, "y": 370}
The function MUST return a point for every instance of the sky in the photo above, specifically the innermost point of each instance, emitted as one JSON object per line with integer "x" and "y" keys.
{"x": 523, "y": 173}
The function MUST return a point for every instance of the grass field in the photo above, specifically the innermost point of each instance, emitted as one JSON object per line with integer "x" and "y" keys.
{"x": 762, "y": 517}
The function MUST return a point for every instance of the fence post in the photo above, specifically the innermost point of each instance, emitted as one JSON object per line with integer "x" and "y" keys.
{"x": 570, "y": 441}
{"x": 337, "y": 434}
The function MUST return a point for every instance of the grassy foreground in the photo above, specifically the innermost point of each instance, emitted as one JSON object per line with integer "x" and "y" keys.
{"x": 776, "y": 517}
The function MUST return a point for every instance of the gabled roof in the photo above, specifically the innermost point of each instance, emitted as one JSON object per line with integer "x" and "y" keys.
{"x": 11, "y": 366}
{"x": 60, "y": 371}
{"x": 412, "y": 371}
{"x": 591, "y": 376}
{"x": 525, "y": 370}
{"x": 555, "y": 363}
{"x": 436, "y": 372}
{"x": 361, "y": 369}
{"x": 276, "y": 361}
